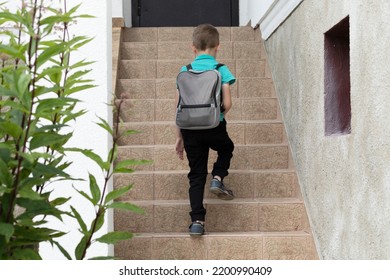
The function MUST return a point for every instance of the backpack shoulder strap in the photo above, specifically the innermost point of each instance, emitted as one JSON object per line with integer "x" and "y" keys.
{"x": 189, "y": 67}
{"x": 219, "y": 65}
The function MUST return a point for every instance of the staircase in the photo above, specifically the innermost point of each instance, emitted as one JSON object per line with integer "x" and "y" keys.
{"x": 267, "y": 219}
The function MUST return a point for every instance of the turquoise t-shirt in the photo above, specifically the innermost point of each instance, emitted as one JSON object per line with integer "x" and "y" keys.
{"x": 207, "y": 62}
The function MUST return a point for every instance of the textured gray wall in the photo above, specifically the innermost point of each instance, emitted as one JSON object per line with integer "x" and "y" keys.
{"x": 345, "y": 180}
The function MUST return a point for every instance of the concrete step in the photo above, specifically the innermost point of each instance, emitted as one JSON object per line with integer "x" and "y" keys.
{"x": 245, "y": 157}
{"x": 238, "y": 215}
{"x": 166, "y": 88}
{"x": 184, "y": 34}
{"x": 150, "y": 110}
{"x": 173, "y": 185}
{"x": 241, "y": 132}
{"x": 168, "y": 69}
{"x": 183, "y": 50}
{"x": 223, "y": 246}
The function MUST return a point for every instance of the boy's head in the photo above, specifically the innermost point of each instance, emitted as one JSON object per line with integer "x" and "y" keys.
{"x": 205, "y": 36}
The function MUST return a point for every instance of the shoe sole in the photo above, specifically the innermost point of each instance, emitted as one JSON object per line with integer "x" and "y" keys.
{"x": 196, "y": 234}
{"x": 221, "y": 194}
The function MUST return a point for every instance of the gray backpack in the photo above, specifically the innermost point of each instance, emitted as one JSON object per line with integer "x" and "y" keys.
{"x": 200, "y": 98}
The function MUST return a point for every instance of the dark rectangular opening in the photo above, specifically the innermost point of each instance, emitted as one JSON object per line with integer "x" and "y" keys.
{"x": 170, "y": 13}
{"x": 337, "y": 80}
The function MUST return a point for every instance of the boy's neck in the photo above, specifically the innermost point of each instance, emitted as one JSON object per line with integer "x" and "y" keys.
{"x": 212, "y": 52}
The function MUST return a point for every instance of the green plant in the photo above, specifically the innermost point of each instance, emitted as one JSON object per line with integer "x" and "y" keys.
{"x": 37, "y": 85}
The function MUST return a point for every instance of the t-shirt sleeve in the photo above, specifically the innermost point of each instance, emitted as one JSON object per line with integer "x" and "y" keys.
{"x": 227, "y": 76}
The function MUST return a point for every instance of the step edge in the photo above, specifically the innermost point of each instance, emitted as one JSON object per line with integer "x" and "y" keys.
{"x": 226, "y": 234}
{"x": 212, "y": 201}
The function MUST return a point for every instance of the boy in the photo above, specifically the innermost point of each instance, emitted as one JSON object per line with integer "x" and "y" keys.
{"x": 198, "y": 142}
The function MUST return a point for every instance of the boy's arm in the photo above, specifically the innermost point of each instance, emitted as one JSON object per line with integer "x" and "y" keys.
{"x": 179, "y": 146}
{"x": 226, "y": 97}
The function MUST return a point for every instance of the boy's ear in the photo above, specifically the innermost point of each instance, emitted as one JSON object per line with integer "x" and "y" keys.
{"x": 194, "y": 49}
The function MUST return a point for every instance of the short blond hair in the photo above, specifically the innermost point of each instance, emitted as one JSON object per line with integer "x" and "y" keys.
{"x": 205, "y": 36}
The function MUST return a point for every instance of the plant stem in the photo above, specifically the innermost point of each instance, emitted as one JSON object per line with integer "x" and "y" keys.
{"x": 101, "y": 209}
{"x": 33, "y": 54}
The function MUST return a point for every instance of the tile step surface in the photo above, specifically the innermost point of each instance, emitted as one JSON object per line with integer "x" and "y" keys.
{"x": 222, "y": 216}
{"x": 224, "y": 246}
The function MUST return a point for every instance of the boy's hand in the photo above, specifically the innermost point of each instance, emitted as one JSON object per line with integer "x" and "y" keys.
{"x": 180, "y": 148}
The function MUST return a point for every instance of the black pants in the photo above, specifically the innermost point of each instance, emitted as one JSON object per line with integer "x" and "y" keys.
{"x": 197, "y": 144}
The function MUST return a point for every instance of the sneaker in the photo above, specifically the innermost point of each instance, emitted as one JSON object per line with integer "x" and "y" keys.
{"x": 219, "y": 189}
{"x": 196, "y": 229}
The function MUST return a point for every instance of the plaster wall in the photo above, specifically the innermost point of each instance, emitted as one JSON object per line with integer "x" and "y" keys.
{"x": 345, "y": 180}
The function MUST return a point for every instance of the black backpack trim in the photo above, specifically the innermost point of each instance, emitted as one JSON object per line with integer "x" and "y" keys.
{"x": 219, "y": 65}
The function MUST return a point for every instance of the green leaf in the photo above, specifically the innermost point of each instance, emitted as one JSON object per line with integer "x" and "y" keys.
{"x": 13, "y": 52}
{"x": 85, "y": 195}
{"x": 51, "y": 20}
{"x": 14, "y": 17}
{"x": 129, "y": 162}
{"x": 72, "y": 90}
{"x": 5, "y": 175}
{"x": 50, "y": 52}
{"x": 49, "y": 171}
{"x": 117, "y": 193}
{"x": 94, "y": 188}
{"x": 114, "y": 237}
{"x": 62, "y": 250}
{"x": 7, "y": 92}
{"x": 60, "y": 201}
{"x": 96, "y": 158}
{"x": 130, "y": 132}
{"x": 80, "y": 220}
{"x": 27, "y": 192}
{"x": 50, "y": 106}
{"x": 103, "y": 258}
{"x": 48, "y": 139}
{"x": 6, "y": 230}
{"x": 79, "y": 41}
{"x": 54, "y": 73}
{"x": 77, "y": 75}
{"x": 73, "y": 10}
{"x": 104, "y": 124}
{"x": 124, "y": 170}
{"x": 11, "y": 128}
{"x": 81, "y": 63}
{"x": 81, "y": 247}
{"x": 35, "y": 208}
{"x": 25, "y": 254}
{"x": 73, "y": 116}
{"x": 99, "y": 220}
{"x": 126, "y": 206}
{"x": 5, "y": 152}
{"x": 23, "y": 80}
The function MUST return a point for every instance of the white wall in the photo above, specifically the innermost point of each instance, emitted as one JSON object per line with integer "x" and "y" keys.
{"x": 86, "y": 133}
{"x": 253, "y": 10}
{"x": 117, "y": 8}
